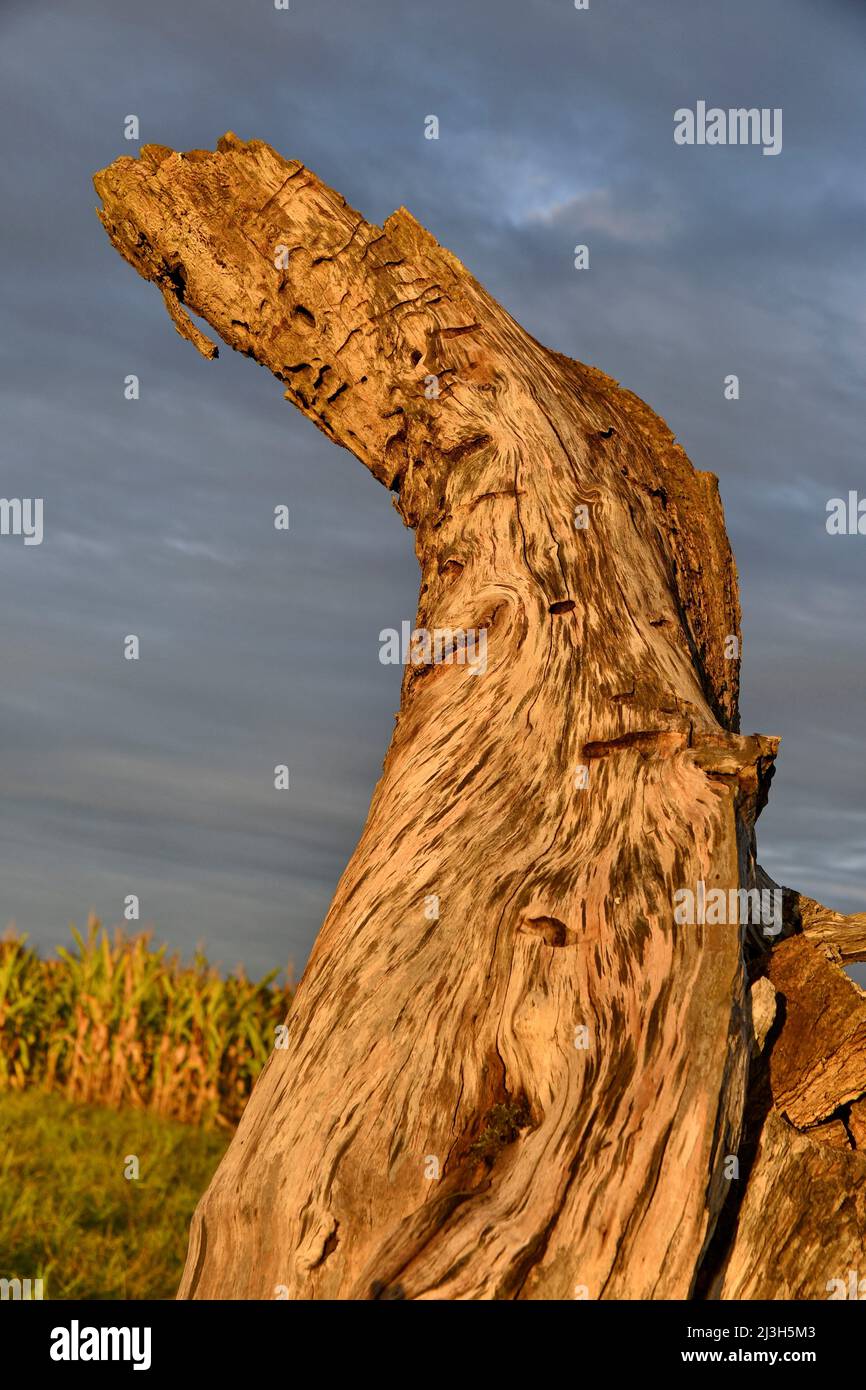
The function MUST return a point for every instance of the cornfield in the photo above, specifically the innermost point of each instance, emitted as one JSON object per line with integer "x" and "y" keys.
{"x": 119, "y": 1022}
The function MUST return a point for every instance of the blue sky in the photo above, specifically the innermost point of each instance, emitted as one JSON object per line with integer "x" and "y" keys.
{"x": 556, "y": 128}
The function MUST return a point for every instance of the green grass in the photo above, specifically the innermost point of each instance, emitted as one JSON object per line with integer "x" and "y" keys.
{"x": 70, "y": 1217}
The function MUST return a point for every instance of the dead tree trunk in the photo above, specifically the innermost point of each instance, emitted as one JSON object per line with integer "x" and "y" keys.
{"x": 511, "y": 1073}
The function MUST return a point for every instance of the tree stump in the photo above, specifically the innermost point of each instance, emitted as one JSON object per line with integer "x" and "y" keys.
{"x": 513, "y": 1070}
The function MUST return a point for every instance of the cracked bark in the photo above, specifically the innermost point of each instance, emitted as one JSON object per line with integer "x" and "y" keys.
{"x": 453, "y": 1037}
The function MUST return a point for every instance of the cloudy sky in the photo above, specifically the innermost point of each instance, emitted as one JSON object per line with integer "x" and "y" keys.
{"x": 556, "y": 128}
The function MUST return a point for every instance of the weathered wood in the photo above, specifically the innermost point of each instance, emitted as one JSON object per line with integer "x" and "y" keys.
{"x": 436, "y": 1128}
{"x": 845, "y": 935}
{"x": 802, "y": 1223}
{"x": 795, "y": 1222}
{"x": 819, "y": 1060}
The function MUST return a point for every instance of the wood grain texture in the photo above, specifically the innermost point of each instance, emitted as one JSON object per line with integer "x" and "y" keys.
{"x": 803, "y": 1219}
{"x": 844, "y": 936}
{"x": 794, "y": 1226}
{"x": 819, "y": 1061}
{"x": 417, "y": 1037}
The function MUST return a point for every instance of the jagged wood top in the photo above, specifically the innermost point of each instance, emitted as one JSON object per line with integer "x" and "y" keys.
{"x": 361, "y": 316}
